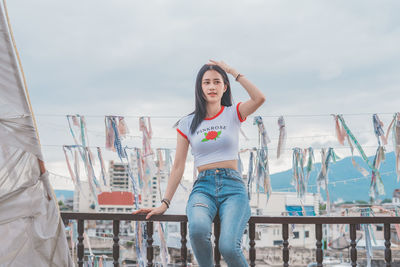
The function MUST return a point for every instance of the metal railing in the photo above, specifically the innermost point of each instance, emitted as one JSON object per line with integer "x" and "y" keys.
{"x": 284, "y": 221}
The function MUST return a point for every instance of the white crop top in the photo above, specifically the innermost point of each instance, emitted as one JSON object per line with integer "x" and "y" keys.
{"x": 215, "y": 139}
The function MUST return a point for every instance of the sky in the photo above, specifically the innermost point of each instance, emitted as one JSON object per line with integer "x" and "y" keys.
{"x": 140, "y": 58}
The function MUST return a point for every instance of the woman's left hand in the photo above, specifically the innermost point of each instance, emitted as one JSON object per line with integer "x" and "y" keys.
{"x": 223, "y": 65}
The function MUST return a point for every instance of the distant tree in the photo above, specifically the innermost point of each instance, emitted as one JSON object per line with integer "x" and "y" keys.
{"x": 348, "y": 202}
{"x": 361, "y": 202}
{"x": 386, "y": 200}
{"x": 322, "y": 207}
{"x": 60, "y": 203}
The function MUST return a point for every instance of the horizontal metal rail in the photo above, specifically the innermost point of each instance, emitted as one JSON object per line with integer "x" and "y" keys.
{"x": 284, "y": 221}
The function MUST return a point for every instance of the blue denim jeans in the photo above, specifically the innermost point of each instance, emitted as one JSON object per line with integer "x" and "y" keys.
{"x": 222, "y": 191}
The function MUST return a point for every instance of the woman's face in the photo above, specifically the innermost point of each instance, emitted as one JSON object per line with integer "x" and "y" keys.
{"x": 213, "y": 86}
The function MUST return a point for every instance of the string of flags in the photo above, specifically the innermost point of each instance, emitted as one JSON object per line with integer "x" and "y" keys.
{"x": 117, "y": 129}
{"x": 142, "y": 165}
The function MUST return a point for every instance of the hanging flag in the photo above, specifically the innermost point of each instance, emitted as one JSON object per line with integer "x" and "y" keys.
{"x": 102, "y": 166}
{"x": 250, "y": 174}
{"x": 74, "y": 176}
{"x": 310, "y": 163}
{"x": 262, "y": 175}
{"x": 116, "y": 130}
{"x": 263, "y": 138}
{"x": 109, "y": 134}
{"x": 302, "y": 165}
{"x": 394, "y": 128}
{"x": 376, "y": 185}
{"x": 163, "y": 245}
{"x": 322, "y": 180}
{"x": 88, "y": 163}
{"x": 298, "y": 172}
{"x": 122, "y": 127}
{"x": 282, "y": 136}
{"x": 367, "y": 237}
{"x": 80, "y": 123}
{"x": 147, "y": 134}
{"x": 344, "y": 131}
{"x": 379, "y": 133}
{"x": 168, "y": 160}
{"x": 133, "y": 157}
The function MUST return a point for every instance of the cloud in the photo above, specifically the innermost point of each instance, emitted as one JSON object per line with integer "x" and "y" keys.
{"x": 141, "y": 58}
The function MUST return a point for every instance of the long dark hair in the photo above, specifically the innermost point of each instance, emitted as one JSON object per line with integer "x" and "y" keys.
{"x": 201, "y": 103}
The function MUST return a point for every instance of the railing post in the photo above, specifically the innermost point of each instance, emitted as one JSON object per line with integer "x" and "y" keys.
{"x": 318, "y": 234}
{"x": 353, "y": 251}
{"x": 388, "y": 252}
{"x": 149, "y": 244}
{"x": 80, "y": 243}
{"x": 252, "y": 243}
{"x": 116, "y": 242}
{"x": 217, "y": 254}
{"x": 285, "y": 250}
{"x": 183, "y": 242}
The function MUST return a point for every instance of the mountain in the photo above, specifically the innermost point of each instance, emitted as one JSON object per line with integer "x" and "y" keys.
{"x": 343, "y": 170}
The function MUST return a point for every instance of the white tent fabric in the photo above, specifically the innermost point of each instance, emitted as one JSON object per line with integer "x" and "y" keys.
{"x": 31, "y": 228}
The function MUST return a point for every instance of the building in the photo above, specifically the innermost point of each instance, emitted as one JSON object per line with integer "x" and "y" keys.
{"x": 396, "y": 197}
{"x": 117, "y": 201}
{"x": 119, "y": 177}
{"x": 114, "y": 202}
{"x": 121, "y": 182}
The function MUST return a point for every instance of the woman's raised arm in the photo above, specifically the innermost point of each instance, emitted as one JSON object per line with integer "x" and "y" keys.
{"x": 257, "y": 98}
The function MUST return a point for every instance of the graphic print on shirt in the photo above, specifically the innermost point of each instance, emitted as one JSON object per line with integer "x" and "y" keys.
{"x": 211, "y": 135}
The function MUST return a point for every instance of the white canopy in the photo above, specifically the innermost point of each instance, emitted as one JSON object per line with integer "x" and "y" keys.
{"x": 31, "y": 228}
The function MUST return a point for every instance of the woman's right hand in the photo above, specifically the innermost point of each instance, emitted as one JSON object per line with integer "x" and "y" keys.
{"x": 152, "y": 211}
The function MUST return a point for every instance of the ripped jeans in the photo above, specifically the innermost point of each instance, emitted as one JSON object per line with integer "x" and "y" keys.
{"x": 219, "y": 190}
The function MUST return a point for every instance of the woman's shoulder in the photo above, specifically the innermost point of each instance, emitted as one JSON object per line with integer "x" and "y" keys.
{"x": 186, "y": 119}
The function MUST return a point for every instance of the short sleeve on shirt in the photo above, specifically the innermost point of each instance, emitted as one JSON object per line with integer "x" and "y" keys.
{"x": 237, "y": 113}
{"x": 183, "y": 127}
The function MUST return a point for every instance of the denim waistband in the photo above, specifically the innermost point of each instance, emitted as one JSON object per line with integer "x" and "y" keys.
{"x": 226, "y": 171}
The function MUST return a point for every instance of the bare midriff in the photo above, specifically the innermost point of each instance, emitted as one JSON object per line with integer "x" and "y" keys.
{"x": 232, "y": 164}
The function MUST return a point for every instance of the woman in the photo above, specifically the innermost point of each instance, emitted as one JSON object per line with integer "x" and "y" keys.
{"x": 212, "y": 130}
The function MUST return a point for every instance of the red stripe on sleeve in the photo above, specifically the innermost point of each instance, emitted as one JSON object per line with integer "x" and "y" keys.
{"x": 238, "y": 113}
{"x": 179, "y": 131}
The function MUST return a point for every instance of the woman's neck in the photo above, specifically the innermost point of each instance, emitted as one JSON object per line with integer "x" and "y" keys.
{"x": 213, "y": 109}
